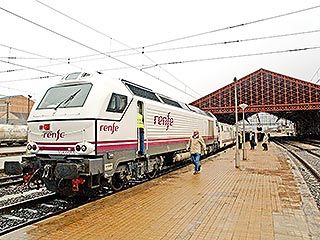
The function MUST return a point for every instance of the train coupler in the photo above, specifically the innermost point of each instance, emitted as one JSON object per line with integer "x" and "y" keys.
{"x": 26, "y": 178}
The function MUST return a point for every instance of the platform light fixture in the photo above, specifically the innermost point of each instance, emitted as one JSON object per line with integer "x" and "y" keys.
{"x": 236, "y": 158}
{"x": 244, "y": 155}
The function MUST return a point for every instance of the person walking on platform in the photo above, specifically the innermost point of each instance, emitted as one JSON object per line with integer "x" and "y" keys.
{"x": 196, "y": 145}
{"x": 265, "y": 142}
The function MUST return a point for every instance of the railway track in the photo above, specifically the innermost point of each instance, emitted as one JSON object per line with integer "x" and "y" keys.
{"x": 10, "y": 180}
{"x": 24, "y": 213}
{"x": 308, "y": 163}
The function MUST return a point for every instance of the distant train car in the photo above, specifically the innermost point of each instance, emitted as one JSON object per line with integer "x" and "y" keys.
{"x": 83, "y": 134}
{"x": 227, "y": 134}
{"x": 10, "y": 134}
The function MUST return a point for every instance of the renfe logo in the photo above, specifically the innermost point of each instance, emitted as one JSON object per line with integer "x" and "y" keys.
{"x": 54, "y": 135}
{"x": 163, "y": 120}
{"x": 109, "y": 128}
{"x": 45, "y": 126}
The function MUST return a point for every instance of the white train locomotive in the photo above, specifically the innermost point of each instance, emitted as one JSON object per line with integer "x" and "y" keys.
{"x": 83, "y": 134}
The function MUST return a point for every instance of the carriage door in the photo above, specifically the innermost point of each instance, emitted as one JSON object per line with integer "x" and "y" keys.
{"x": 140, "y": 128}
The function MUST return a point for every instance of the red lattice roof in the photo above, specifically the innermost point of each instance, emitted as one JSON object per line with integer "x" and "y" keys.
{"x": 263, "y": 91}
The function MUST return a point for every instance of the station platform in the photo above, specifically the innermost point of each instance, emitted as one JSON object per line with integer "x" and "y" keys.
{"x": 266, "y": 198}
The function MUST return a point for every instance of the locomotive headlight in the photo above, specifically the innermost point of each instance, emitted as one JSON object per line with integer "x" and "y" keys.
{"x": 84, "y": 148}
{"x": 78, "y": 147}
{"x": 32, "y": 147}
{"x": 29, "y": 147}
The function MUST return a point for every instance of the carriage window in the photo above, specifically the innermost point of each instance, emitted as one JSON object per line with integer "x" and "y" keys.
{"x": 143, "y": 92}
{"x": 170, "y": 102}
{"x": 117, "y": 103}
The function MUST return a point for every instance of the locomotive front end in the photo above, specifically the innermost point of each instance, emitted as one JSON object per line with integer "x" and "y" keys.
{"x": 61, "y": 149}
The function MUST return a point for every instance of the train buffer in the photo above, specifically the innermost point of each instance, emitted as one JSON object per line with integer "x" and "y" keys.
{"x": 264, "y": 199}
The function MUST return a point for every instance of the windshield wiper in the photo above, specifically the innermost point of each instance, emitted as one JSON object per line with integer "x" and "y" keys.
{"x": 67, "y": 100}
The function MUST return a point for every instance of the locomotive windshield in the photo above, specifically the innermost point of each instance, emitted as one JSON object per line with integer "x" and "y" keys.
{"x": 65, "y": 96}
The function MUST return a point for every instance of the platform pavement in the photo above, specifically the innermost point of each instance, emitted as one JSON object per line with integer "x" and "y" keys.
{"x": 265, "y": 199}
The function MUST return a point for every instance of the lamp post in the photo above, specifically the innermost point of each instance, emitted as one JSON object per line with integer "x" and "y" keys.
{"x": 243, "y": 107}
{"x": 29, "y": 98}
{"x": 236, "y": 159}
{"x": 7, "y": 110}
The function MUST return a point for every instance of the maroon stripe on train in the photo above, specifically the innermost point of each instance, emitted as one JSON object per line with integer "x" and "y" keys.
{"x": 134, "y": 146}
{"x": 118, "y": 141}
{"x": 112, "y": 145}
{"x": 43, "y": 148}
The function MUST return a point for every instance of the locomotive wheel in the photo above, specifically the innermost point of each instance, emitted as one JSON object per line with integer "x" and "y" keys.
{"x": 117, "y": 183}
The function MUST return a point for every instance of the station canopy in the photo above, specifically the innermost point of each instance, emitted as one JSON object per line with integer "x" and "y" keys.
{"x": 265, "y": 91}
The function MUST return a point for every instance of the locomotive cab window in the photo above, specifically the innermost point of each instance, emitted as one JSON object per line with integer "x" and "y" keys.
{"x": 117, "y": 103}
{"x": 65, "y": 96}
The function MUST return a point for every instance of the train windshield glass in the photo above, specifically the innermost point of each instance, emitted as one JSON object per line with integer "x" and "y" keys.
{"x": 65, "y": 96}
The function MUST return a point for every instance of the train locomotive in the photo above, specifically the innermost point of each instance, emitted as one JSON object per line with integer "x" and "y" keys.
{"x": 83, "y": 135}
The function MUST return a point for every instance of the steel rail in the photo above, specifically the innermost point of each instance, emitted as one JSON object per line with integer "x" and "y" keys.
{"x": 304, "y": 163}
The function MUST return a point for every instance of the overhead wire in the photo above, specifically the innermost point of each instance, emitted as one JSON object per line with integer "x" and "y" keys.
{"x": 21, "y": 58}
{"x": 38, "y": 55}
{"x": 91, "y": 48}
{"x": 194, "y": 35}
{"x": 15, "y": 89}
{"x": 195, "y": 60}
{"x": 120, "y": 42}
{"x": 315, "y": 74}
{"x": 31, "y": 68}
{"x": 231, "y": 27}
{"x": 143, "y": 48}
{"x": 30, "y": 78}
{"x": 236, "y": 56}
{"x": 226, "y": 42}
{"x": 178, "y": 48}
{"x": 170, "y": 49}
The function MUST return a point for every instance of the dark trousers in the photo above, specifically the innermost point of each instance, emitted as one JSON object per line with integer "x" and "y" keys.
{"x": 141, "y": 140}
{"x": 252, "y": 144}
{"x": 265, "y": 146}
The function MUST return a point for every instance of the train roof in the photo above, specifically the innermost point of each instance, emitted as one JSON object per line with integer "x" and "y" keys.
{"x": 148, "y": 93}
{"x": 135, "y": 90}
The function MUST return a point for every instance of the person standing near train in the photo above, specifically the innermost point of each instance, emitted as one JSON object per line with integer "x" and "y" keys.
{"x": 252, "y": 140}
{"x": 140, "y": 129}
{"x": 265, "y": 142}
{"x": 196, "y": 145}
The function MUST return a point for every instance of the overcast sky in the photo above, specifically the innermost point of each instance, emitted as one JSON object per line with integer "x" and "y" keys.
{"x": 142, "y": 23}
